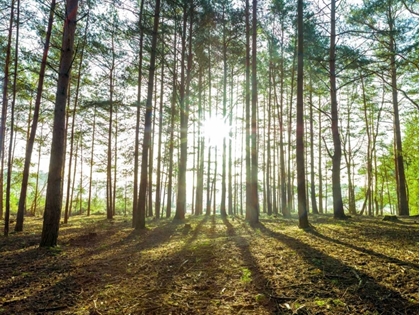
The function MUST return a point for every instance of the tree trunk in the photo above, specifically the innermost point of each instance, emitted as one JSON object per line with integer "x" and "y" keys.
{"x": 92, "y": 148}
{"x": 69, "y": 179}
{"x": 31, "y": 139}
{"x": 230, "y": 183}
{"x": 151, "y": 152}
{"x": 4, "y": 110}
{"x": 320, "y": 202}
{"x": 54, "y": 194}
{"x": 140, "y": 217}
{"x": 223, "y": 193}
{"x": 109, "y": 186}
{"x": 403, "y": 208}
{"x": 290, "y": 188}
{"x": 114, "y": 184}
{"x": 182, "y": 168}
{"x": 12, "y": 126}
{"x": 311, "y": 133}
{"x": 136, "y": 141}
{"x": 158, "y": 171}
{"x": 200, "y": 153}
{"x": 171, "y": 137}
{"x": 268, "y": 163}
{"x": 336, "y": 158}
{"x": 300, "y": 150}
{"x": 254, "y": 157}
{"x": 248, "y": 208}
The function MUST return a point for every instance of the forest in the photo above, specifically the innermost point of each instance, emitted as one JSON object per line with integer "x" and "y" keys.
{"x": 184, "y": 127}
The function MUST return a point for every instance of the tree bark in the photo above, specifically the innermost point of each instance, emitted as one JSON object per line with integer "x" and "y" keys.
{"x": 158, "y": 171}
{"x": 311, "y": 133}
{"x": 4, "y": 109}
{"x": 137, "y": 130}
{"x": 171, "y": 137}
{"x": 336, "y": 158}
{"x": 300, "y": 150}
{"x": 54, "y": 194}
{"x": 31, "y": 139}
{"x": 403, "y": 208}
{"x": 140, "y": 217}
{"x": 182, "y": 168}
{"x": 12, "y": 125}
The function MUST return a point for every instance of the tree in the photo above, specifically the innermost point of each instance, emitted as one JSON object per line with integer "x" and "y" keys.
{"x": 12, "y": 124}
{"x": 35, "y": 117}
{"x": 391, "y": 32}
{"x": 4, "y": 110}
{"x": 184, "y": 112}
{"x": 140, "y": 217}
{"x": 54, "y": 195}
{"x": 300, "y": 150}
{"x": 336, "y": 155}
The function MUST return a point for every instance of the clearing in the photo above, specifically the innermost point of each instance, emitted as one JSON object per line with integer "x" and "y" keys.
{"x": 210, "y": 265}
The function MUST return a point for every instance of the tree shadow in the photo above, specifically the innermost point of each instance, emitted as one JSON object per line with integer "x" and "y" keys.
{"x": 356, "y": 283}
{"x": 366, "y": 251}
{"x": 261, "y": 283}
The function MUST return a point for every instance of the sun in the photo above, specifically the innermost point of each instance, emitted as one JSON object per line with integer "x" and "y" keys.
{"x": 215, "y": 129}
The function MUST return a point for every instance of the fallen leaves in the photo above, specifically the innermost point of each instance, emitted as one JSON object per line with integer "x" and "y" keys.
{"x": 213, "y": 266}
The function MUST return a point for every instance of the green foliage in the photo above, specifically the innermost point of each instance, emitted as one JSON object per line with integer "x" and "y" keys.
{"x": 411, "y": 159}
{"x": 246, "y": 275}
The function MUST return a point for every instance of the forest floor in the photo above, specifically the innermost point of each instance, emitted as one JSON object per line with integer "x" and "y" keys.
{"x": 210, "y": 265}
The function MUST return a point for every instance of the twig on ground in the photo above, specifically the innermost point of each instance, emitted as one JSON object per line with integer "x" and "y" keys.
{"x": 358, "y": 277}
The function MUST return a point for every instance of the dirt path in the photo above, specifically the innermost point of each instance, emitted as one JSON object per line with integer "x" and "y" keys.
{"x": 207, "y": 265}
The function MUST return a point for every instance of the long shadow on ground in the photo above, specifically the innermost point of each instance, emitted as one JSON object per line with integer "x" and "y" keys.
{"x": 367, "y": 294}
{"x": 366, "y": 251}
{"x": 261, "y": 283}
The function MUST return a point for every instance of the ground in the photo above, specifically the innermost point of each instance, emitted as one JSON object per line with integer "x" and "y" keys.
{"x": 210, "y": 265}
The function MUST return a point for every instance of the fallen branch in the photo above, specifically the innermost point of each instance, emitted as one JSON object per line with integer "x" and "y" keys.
{"x": 358, "y": 277}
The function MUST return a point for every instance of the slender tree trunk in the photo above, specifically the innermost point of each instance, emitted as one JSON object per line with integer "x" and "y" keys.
{"x": 140, "y": 217}
{"x": 73, "y": 183}
{"x": 109, "y": 199}
{"x": 254, "y": 157}
{"x": 290, "y": 188}
{"x": 208, "y": 202}
{"x": 54, "y": 195}
{"x": 403, "y": 208}
{"x": 182, "y": 168}
{"x": 230, "y": 183}
{"x": 37, "y": 193}
{"x": 336, "y": 158}
{"x": 136, "y": 140}
{"x": 114, "y": 184}
{"x": 12, "y": 126}
{"x": 151, "y": 152}
{"x": 268, "y": 163}
{"x": 368, "y": 199}
{"x": 92, "y": 148}
{"x": 348, "y": 156}
{"x": 300, "y": 149}
{"x": 223, "y": 193}
{"x": 159, "y": 158}
{"x": 200, "y": 153}
{"x": 31, "y": 139}
{"x": 67, "y": 210}
{"x": 311, "y": 133}
{"x": 171, "y": 137}
{"x": 320, "y": 202}
{"x": 4, "y": 110}
{"x": 248, "y": 208}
